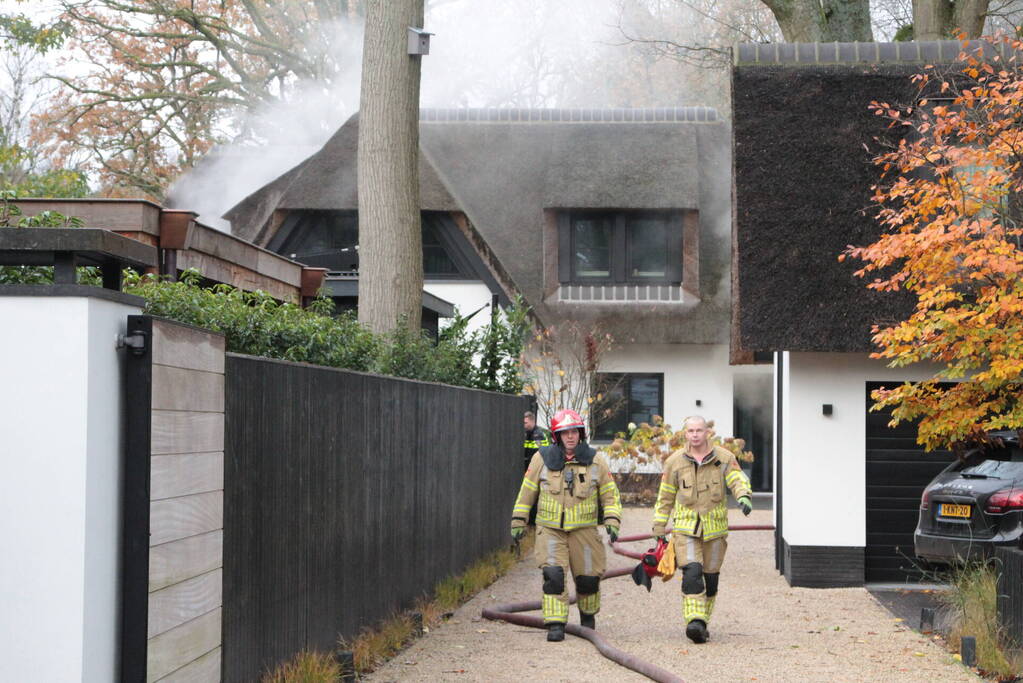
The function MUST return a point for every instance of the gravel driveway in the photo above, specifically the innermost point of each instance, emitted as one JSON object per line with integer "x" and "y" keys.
{"x": 762, "y": 630}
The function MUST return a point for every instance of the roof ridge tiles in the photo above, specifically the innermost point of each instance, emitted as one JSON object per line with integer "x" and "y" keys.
{"x": 903, "y": 52}
{"x": 533, "y": 115}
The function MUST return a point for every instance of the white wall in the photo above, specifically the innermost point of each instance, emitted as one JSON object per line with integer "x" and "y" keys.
{"x": 824, "y": 457}
{"x": 691, "y": 372}
{"x": 466, "y": 295}
{"x": 60, "y": 478}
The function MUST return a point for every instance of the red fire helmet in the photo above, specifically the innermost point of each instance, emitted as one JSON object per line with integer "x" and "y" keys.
{"x": 566, "y": 419}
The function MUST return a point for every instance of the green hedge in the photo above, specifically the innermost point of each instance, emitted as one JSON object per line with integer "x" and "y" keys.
{"x": 256, "y": 324}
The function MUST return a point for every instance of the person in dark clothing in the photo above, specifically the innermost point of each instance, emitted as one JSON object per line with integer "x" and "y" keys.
{"x": 535, "y": 438}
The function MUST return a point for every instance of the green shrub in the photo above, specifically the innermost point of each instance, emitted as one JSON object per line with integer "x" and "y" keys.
{"x": 255, "y": 324}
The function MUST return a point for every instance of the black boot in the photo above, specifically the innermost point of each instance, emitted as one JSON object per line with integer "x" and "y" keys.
{"x": 696, "y": 631}
{"x": 588, "y": 620}
{"x": 555, "y": 632}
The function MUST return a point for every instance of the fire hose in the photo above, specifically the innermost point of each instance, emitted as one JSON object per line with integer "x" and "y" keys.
{"x": 510, "y": 613}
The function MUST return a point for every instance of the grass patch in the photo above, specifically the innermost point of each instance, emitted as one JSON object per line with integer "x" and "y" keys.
{"x": 306, "y": 667}
{"x": 973, "y": 605}
{"x": 376, "y": 645}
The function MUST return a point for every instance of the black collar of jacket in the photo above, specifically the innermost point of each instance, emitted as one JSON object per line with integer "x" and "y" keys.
{"x": 554, "y": 457}
{"x": 707, "y": 459}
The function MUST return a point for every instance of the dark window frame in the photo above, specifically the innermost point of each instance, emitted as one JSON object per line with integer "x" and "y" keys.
{"x": 294, "y": 229}
{"x": 621, "y": 247}
{"x": 624, "y": 381}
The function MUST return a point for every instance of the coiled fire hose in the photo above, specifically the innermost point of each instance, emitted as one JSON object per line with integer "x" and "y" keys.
{"x": 510, "y": 613}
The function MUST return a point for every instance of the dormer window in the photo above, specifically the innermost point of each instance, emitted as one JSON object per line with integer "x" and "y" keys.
{"x": 619, "y": 247}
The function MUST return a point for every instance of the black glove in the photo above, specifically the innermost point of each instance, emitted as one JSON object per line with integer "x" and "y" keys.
{"x": 612, "y": 532}
{"x": 661, "y": 539}
{"x": 745, "y": 504}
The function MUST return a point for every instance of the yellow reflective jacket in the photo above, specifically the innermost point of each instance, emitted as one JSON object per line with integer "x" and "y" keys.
{"x": 567, "y": 501}
{"x": 696, "y": 492}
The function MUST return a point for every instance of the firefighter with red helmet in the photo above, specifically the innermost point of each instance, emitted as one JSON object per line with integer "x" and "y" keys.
{"x": 573, "y": 492}
{"x": 692, "y": 492}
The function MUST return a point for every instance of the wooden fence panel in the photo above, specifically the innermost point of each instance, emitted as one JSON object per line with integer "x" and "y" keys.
{"x": 347, "y": 496}
{"x": 173, "y": 509}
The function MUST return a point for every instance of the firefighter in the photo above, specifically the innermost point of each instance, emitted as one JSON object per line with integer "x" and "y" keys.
{"x": 535, "y": 438}
{"x": 693, "y": 491}
{"x": 573, "y": 492}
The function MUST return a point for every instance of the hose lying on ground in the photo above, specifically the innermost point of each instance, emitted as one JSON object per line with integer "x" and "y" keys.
{"x": 510, "y": 612}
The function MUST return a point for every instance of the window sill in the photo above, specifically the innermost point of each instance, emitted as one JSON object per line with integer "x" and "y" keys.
{"x": 623, "y": 294}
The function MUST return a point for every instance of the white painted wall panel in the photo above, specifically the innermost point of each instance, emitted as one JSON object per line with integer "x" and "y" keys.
{"x": 824, "y": 457}
{"x": 59, "y": 487}
{"x": 691, "y": 372}
{"x": 467, "y": 296}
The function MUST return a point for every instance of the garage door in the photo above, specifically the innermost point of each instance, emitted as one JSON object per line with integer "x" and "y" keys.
{"x": 897, "y": 472}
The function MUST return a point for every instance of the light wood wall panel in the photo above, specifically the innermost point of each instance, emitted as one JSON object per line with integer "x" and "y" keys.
{"x": 177, "y": 431}
{"x": 206, "y": 669}
{"x": 174, "y": 605}
{"x": 176, "y": 518}
{"x": 173, "y": 562}
{"x": 180, "y": 646}
{"x": 181, "y": 346}
{"x": 184, "y": 474}
{"x": 184, "y": 389}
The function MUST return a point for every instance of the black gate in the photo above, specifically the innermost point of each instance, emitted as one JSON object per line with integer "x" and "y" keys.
{"x": 898, "y": 469}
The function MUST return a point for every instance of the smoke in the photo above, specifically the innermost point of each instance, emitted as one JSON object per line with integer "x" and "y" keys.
{"x": 485, "y": 53}
{"x": 274, "y": 139}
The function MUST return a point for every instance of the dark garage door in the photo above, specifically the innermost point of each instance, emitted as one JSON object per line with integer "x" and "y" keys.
{"x": 897, "y": 471}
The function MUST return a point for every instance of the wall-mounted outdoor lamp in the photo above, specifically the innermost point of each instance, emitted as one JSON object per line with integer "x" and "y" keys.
{"x": 418, "y": 41}
{"x": 828, "y": 409}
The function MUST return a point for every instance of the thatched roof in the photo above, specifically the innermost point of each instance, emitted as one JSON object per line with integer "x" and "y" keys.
{"x": 804, "y": 139}
{"x": 503, "y": 167}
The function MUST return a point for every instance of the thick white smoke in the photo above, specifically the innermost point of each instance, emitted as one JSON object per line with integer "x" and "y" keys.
{"x": 486, "y": 53}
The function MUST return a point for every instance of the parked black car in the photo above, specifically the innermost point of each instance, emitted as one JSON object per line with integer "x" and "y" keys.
{"x": 974, "y": 504}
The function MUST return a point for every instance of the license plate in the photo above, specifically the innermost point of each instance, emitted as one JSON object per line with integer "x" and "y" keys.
{"x": 950, "y": 510}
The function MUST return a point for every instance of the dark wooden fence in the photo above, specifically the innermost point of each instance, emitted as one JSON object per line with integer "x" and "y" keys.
{"x": 347, "y": 496}
{"x": 1010, "y": 593}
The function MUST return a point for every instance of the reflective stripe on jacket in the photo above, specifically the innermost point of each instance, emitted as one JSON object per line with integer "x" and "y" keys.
{"x": 694, "y": 494}
{"x": 564, "y": 506}
{"x": 536, "y": 439}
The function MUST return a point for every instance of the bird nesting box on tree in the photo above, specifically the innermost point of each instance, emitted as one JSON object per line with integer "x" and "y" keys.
{"x": 418, "y": 41}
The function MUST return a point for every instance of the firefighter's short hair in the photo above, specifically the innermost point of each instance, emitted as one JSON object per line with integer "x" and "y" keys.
{"x": 701, "y": 418}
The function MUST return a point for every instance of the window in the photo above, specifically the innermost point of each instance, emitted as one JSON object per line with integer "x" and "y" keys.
{"x": 324, "y": 239}
{"x": 436, "y": 261}
{"x": 627, "y": 397}
{"x": 608, "y": 247}
{"x": 329, "y": 239}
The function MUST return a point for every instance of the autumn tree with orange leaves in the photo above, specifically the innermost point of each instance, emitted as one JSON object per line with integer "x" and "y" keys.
{"x": 951, "y": 204}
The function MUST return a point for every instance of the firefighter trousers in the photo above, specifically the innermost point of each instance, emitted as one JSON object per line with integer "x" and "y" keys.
{"x": 700, "y": 562}
{"x": 558, "y": 552}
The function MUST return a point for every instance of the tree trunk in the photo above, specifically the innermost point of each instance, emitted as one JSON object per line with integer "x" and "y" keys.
{"x": 390, "y": 238}
{"x": 940, "y": 19}
{"x": 931, "y": 19}
{"x": 969, "y": 16}
{"x": 811, "y": 21}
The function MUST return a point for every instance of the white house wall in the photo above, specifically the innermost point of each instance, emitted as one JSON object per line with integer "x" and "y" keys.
{"x": 824, "y": 457}
{"x": 692, "y": 372}
{"x": 467, "y": 296}
{"x": 60, "y": 487}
